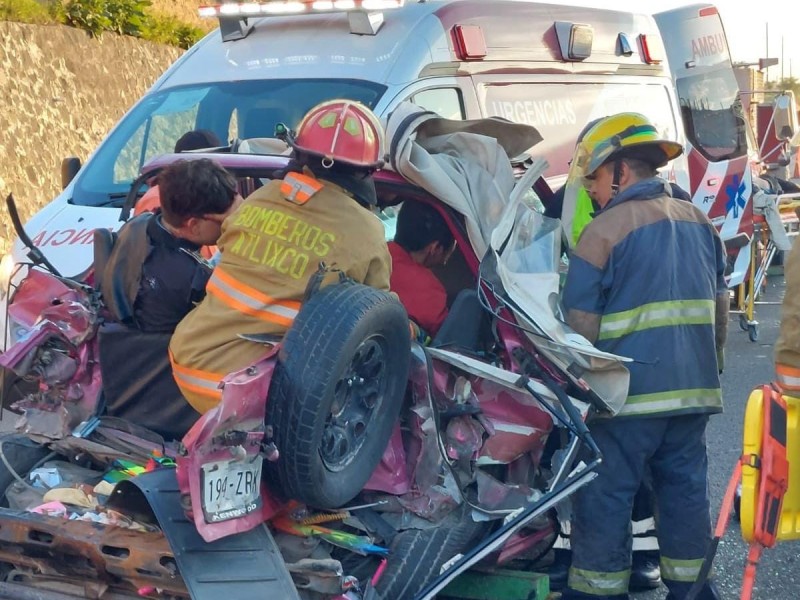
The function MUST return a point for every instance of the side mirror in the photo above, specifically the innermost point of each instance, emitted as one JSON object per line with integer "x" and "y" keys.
{"x": 69, "y": 168}
{"x": 783, "y": 120}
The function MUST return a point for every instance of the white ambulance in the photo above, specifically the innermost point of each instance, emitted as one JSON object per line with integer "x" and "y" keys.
{"x": 720, "y": 148}
{"x": 553, "y": 66}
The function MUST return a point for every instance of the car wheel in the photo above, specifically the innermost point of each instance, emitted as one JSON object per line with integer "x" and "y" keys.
{"x": 417, "y": 556}
{"x": 337, "y": 392}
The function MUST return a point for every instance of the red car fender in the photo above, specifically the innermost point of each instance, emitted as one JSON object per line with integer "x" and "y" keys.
{"x": 236, "y": 423}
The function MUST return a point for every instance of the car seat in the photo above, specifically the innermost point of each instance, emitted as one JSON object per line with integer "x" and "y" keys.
{"x": 134, "y": 365}
{"x": 466, "y": 326}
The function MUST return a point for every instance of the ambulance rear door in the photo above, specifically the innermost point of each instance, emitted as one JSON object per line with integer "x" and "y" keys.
{"x": 720, "y": 168}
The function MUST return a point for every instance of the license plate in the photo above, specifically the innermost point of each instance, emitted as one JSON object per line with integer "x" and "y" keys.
{"x": 231, "y": 489}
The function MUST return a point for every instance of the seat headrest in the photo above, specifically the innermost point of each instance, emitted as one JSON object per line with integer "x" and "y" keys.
{"x": 122, "y": 270}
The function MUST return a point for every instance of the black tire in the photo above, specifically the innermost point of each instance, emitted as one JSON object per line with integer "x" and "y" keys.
{"x": 342, "y": 372}
{"x": 22, "y": 454}
{"x": 416, "y": 556}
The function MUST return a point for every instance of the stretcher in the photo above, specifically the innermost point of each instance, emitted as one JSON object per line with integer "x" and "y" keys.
{"x": 775, "y": 224}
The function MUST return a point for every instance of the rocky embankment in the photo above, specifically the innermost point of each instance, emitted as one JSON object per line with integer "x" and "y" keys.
{"x": 62, "y": 92}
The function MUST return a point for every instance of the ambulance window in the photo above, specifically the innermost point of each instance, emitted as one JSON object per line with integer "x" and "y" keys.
{"x": 154, "y": 137}
{"x": 229, "y": 109}
{"x": 712, "y": 114}
{"x": 445, "y": 102}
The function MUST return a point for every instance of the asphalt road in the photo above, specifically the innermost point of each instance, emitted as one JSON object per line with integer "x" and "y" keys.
{"x": 748, "y": 365}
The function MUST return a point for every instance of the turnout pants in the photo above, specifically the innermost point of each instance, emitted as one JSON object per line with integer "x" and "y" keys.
{"x": 675, "y": 450}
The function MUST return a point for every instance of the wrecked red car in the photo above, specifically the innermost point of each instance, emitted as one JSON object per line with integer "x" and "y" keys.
{"x": 348, "y": 462}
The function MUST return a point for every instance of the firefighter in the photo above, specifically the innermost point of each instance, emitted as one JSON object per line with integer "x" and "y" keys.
{"x": 787, "y": 348}
{"x": 630, "y": 291}
{"x": 644, "y": 568}
{"x": 320, "y": 212}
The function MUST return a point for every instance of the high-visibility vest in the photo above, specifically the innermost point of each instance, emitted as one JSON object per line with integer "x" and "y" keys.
{"x": 584, "y": 211}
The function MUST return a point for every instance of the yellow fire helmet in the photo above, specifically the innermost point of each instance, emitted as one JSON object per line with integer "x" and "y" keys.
{"x": 603, "y": 140}
{"x": 623, "y": 134}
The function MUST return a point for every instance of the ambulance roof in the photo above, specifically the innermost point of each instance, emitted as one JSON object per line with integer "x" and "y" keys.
{"x": 415, "y": 40}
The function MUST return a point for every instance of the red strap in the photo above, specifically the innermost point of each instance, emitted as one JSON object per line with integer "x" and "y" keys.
{"x": 753, "y": 556}
{"x": 727, "y": 501}
{"x": 722, "y": 524}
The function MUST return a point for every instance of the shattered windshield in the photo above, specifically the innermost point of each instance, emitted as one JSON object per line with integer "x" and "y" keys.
{"x": 231, "y": 110}
{"x": 534, "y": 245}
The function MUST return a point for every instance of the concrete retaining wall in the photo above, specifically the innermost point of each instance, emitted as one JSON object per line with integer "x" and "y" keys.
{"x": 62, "y": 92}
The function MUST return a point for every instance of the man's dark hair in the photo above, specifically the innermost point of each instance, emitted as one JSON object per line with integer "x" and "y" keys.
{"x": 419, "y": 224}
{"x": 197, "y": 139}
{"x": 193, "y": 188}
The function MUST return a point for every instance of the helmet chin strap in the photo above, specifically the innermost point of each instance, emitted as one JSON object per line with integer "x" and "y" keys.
{"x": 617, "y": 175}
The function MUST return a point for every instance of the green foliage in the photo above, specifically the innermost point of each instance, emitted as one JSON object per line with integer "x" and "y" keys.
{"x": 31, "y": 11}
{"x": 128, "y": 17}
{"x": 785, "y": 84}
{"x": 89, "y": 15}
{"x": 125, "y": 17}
{"x": 169, "y": 30}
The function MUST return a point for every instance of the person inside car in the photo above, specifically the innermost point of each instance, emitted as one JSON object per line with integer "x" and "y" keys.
{"x": 150, "y": 276}
{"x": 422, "y": 241}
{"x": 317, "y": 217}
{"x": 160, "y": 251}
{"x": 196, "y": 139}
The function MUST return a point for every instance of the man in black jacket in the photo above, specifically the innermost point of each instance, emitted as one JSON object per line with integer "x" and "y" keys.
{"x": 153, "y": 277}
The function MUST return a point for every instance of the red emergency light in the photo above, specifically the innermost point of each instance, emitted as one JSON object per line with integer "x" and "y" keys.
{"x": 469, "y": 41}
{"x": 652, "y": 49}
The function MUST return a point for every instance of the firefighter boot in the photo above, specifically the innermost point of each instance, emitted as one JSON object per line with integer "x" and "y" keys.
{"x": 558, "y": 571}
{"x": 645, "y": 572}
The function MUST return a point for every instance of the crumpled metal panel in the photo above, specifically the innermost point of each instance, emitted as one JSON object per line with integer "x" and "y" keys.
{"x": 236, "y": 424}
{"x": 54, "y": 546}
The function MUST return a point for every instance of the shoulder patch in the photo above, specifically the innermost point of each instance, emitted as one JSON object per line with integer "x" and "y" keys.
{"x": 299, "y": 188}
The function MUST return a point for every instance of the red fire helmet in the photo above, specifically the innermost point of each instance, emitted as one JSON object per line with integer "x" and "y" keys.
{"x": 341, "y": 131}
